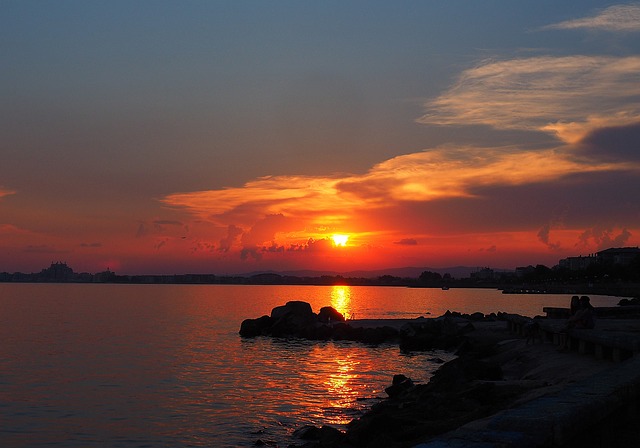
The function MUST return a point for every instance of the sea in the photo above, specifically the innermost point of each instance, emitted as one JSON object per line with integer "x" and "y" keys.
{"x": 111, "y": 365}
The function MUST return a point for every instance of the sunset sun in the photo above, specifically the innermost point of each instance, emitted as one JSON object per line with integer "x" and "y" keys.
{"x": 340, "y": 240}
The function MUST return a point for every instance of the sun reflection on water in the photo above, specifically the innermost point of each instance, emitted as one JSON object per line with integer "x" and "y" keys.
{"x": 341, "y": 300}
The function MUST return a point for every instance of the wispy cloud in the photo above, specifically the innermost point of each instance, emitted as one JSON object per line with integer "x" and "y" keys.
{"x": 407, "y": 242}
{"x": 565, "y": 96}
{"x": 617, "y": 18}
{"x": 297, "y": 204}
{"x": 5, "y": 192}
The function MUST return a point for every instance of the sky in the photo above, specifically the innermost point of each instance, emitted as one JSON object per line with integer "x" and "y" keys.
{"x": 160, "y": 137}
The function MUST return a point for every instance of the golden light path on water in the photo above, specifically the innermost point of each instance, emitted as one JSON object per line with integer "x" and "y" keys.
{"x": 341, "y": 300}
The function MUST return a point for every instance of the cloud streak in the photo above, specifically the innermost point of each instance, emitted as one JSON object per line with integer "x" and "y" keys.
{"x": 617, "y": 18}
{"x": 565, "y": 96}
{"x": 291, "y": 209}
{"x": 5, "y": 192}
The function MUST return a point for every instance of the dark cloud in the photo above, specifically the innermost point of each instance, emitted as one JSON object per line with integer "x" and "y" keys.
{"x": 604, "y": 237}
{"x": 203, "y": 246}
{"x": 143, "y": 230}
{"x": 407, "y": 242}
{"x": 250, "y": 252}
{"x": 543, "y": 236}
{"x": 274, "y": 248}
{"x": 226, "y": 243}
{"x": 621, "y": 143}
{"x": 312, "y": 245}
{"x": 160, "y": 243}
{"x": 90, "y": 244}
{"x": 374, "y": 188}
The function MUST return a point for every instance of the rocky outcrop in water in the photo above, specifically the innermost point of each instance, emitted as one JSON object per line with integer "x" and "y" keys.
{"x": 297, "y": 319}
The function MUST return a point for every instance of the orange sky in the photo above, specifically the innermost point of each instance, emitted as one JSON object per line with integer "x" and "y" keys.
{"x": 171, "y": 144}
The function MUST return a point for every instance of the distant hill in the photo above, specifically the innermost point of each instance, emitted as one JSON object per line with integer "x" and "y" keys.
{"x": 406, "y": 272}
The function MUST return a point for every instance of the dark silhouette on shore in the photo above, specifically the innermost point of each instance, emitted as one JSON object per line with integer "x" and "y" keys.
{"x": 609, "y": 272}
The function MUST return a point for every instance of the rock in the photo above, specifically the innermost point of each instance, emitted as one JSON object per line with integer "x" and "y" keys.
{"x": 255, "y": 327}
{"x": 293, "y": 319}
{"x": 378, "y": 335}
{"x": 326, "y": 435}
{"x": 426, "y": 334}
{"x": 295, "y": 307}
{"x": 399, "y": 385}
{"x": 330, "y": 314}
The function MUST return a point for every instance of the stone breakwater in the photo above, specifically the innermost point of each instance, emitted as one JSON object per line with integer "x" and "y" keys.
{"x": 455, "y": 395}
{"x": 502, "y": 390}
{"x": 296, "y": 319}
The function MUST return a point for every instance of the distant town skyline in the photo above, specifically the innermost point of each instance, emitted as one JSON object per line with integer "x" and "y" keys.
{"x": 226, "y": 137}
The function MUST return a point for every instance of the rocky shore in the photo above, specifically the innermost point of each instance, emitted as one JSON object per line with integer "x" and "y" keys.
{"x": 494, "y": 370}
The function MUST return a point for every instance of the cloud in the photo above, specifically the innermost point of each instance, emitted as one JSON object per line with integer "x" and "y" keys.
{"x": 543, "y": 236}
{"x": 613, "y": 143}
{"x": 5, "y": 192}
{"x": 329, "y": 202}
{"x": 160, "y": 243}
{"x": 90, "y": 244}
{"x": 604, "y": 237}
{"x": 312, "y": 245}
{"x": 407, "y": 242}
{"x": 203, "y": 246}
{"x": 617, "y": 18}
{"x": 250, "y": 252}
{"x": 9, "y": 229}
{"x": 265, "y": 229}
{"x": 565, "y": 96}
{"x": 142, "y": 231}
{"x": 227, "y": 242}
{"x": 445, "y": 190}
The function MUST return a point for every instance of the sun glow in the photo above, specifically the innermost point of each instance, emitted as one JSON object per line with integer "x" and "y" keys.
{"x": 340, "y": 240}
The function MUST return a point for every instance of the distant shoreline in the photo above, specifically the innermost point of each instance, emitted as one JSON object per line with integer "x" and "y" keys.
{"x": 620, "y": 289}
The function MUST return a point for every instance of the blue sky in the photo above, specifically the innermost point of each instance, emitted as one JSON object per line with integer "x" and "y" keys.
{"x": 112, "y": 110}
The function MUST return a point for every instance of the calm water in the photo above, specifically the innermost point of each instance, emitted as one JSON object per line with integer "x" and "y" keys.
{"x": 163, "y": 365}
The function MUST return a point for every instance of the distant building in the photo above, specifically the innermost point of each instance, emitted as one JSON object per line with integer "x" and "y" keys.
{"x": 579, "y": 263}
{"x": 618, "y": 255}
{"x": 623, "y": 256}
{"x": 523, "y": 271}
{"x": 484, "y": 274}
{"x": 57, "y": 272}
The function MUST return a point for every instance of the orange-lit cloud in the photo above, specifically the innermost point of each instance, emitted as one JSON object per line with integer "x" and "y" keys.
{"x": 280, "y": 214}
{"x": 566, "y": 96}
{"x": 445, "y": 172}
{"x": 617, "y": 18}
{"x": 5, "y": 192}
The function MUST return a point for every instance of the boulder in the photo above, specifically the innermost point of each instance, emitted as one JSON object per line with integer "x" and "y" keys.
{"x": 326, "y": 435}
{"x": 295, "y": 307}
{"x": 330, "y": 314}
{"x": 399, "y": 385}
{"x": 255, "y": 327}
{"x": 293, "y": 319}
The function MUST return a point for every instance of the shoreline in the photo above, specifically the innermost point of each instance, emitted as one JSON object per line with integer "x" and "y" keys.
{"x": 498, "y": 379}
